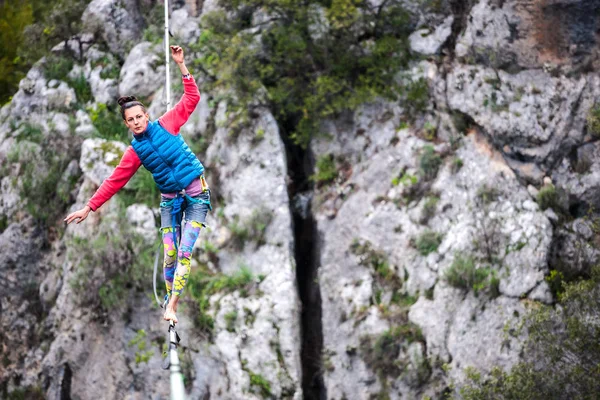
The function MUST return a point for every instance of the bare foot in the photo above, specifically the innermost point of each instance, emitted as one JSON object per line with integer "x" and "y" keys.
{"x": 170, "y": 315}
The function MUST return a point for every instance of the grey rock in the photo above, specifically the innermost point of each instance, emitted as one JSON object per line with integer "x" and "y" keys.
{"x": 143, "y": 71}
{"x": 476, "y": 330}
{"x": 428, "y": 42}
{"x": 184, "y": 26}
{"x": 141, "y": 218}
{"x": 542, "y": 293}
{"x": 118, "y": 21}
{"x": 99, "y": 157}
{"x": 533, "y": 118}
{"x": 238, "y": 162}
{"x": 574, "y": 250}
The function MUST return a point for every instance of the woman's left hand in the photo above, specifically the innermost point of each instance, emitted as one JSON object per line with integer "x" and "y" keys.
{"x": 177, "y": 54}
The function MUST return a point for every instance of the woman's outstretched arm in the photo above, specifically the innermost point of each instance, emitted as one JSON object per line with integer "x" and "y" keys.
{"x": 123, "y": 172}
{"x": 175, "y": 118}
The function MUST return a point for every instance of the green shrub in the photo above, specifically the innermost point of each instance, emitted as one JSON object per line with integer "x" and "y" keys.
{"x": 110, "y": 70}
{"x": 57, "y": 67}
{"x": 487, "y": 194}
{"x": 254, "y": 228}
{"x": 30, "y": 133}
{"x": 556, "y": 281}
{"x": 464, "y": 274}
{"x": 230, "y": 319}
{"x": 305, "y": 78}
{"x": 203, "y": 283}
{"x": 140, "y": 343}
{"x": 127, "y": 261}
{"x": 108, "y": 123}
{"x": 326, "y": 170}
{"x": 593, "y": 120}
{"x": 547, "y": 197}
{"x": 263, "y": 385}
{"x": 457, "y": 164}
{"x": 141, "y": 189}
{"x": 417, "y": 98}
{"x": 82, "y": 88}
{"x": 381, "y": 353}
{"x": 560, "y": 355}
{"x": 47, "y": 194}
{"x": 428, "y": 242}
{"x": 372, "y": 258}
{"x": 429, "y": 162}
{"x": 429, "y": 208}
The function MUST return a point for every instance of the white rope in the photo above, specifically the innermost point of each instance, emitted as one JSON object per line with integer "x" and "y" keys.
{"x": 177, "y": 387}
{"x": 167, "y": 73}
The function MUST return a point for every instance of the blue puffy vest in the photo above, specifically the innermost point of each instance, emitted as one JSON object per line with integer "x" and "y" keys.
{"x": 172, "y": 164}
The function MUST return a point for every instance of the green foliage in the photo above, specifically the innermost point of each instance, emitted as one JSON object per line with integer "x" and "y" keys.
{"x": 326, "y": 170}
{"x": 41, "y": 176}
{"x": 253, "y": 228}
{"x": 14, "y": 17}
{"x": 110, "y": 68}
{"x": 417, "y": 98}
{"x": 55, "y": 23}
{"x": 142, "y": 354}
{"x": 257, "y": 382}
{"x": 487, "y": 194}
{"x": 28, "y": 30}
{"x": 203, "y": 284}
{"x": 381, "y": 353}
{"x": 230, "y": 319}
{"x": 141, "y": 189}
{"x": 429, "y": 162}
{"x": 108, "y": 123}
{"x": 126, "y": 260}
{"x": 304, "y": 76}
{"x": 457, "y": 164}
{"x": 82, "y": 88}
{"x": 26, "y": 393}
{"x": 428, "y": 242}
{"x": 30, "y": 133}
{"x": 593, "y": 120}
{"x": 57, "y": 67}
{"x": 556, "y": 281}
{"x": 372, "y": 258}
{"x": 154, "y": 32}
{"x": 429, "y": 131}
{"x": 547, "y": 197}
{"x": 563, "y": 347}
{"x": 429, "y": 208}
{"x": 464, "y": 274}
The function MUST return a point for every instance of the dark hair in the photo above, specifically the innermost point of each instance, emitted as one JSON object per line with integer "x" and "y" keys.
{"x": 127, "y": 102}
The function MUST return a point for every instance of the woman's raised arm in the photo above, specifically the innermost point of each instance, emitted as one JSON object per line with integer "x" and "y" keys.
{"x": 175, "y": 118}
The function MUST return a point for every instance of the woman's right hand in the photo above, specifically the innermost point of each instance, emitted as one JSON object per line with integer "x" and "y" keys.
{"x": 80, "y": 214}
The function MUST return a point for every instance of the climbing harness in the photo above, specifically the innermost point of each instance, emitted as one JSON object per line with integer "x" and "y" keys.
{"x": 176, "y": 203}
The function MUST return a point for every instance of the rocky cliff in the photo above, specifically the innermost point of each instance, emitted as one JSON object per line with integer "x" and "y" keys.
{"x": 416, "y": 258}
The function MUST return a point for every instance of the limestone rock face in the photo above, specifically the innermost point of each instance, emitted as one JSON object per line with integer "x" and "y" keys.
{"x": 377, "y": 198}
{"x": 533, "y": 118}
{"x": 118, "y": 21}
{"x": 143, "y": 71}
{"x": 429, "y": 42}
{"x": 248, "y": 180}
{"x": 520, "y": 34}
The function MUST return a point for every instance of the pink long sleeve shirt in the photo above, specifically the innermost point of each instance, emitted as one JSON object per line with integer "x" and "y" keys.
{"x": 172, "y": 121}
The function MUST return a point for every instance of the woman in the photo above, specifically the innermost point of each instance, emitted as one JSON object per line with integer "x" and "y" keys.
{"x": 177, "y": 172}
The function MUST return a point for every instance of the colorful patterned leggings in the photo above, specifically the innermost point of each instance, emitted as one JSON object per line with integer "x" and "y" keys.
{"x": 176, "y": 266}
